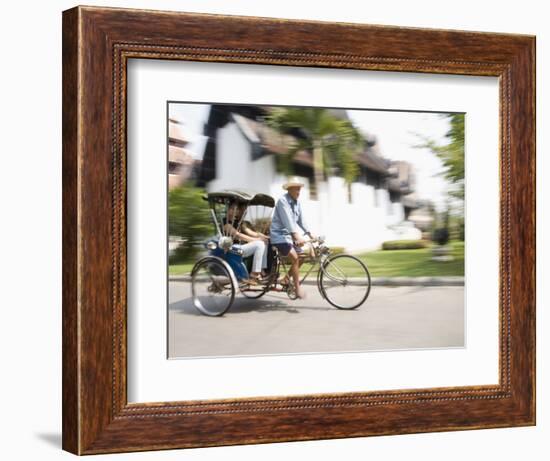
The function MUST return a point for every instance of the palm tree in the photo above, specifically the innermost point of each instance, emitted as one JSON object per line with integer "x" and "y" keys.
{"x": 333, "y": 141}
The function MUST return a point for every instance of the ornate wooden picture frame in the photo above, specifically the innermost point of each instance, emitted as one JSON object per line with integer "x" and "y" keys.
{"x": 97, "y": 44}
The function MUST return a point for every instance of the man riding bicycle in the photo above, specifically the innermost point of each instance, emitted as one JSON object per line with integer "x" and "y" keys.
{"x": 288, "y": 227}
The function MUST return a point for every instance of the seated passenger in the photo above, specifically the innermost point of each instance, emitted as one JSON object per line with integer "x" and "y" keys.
{"x": 252, "y": 243}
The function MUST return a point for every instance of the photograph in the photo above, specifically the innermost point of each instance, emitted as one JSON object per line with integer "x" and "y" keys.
{"x": 308, "y": 230}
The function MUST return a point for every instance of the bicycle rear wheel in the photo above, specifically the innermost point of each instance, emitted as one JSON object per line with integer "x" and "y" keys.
{"x": 344, "y": 281}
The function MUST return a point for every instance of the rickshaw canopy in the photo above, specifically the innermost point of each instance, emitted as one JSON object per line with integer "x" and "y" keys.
{"x": 247, "y": 197}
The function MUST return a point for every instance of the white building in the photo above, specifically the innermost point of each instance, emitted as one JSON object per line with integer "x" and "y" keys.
{"x": 242, "y": 152}
{"x": 180, "y": 160}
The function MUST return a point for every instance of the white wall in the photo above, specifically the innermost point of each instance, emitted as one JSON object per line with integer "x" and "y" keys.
{"x": 232, "y": 158}
{"x": 234, "y": 163}
{"x": 30, "y": 243}
{"x": 354, "y": 225}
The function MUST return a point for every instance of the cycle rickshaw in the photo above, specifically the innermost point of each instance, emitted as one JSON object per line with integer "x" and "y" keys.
{"x": 342, "y": 279}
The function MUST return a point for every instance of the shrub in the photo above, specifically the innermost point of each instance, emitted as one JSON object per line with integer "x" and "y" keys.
{"x": 404, "y": 244}
{"x": 441, "y": 236}
{"x": 188, "y": 218}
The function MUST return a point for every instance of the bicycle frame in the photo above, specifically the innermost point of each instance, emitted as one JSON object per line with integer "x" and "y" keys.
{"x": 316, "y": 261}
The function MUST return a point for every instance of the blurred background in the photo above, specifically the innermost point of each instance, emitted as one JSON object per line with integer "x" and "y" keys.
{"x": 387, "y": 186}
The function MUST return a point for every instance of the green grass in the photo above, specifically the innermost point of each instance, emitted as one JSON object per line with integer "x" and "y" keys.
{"x": 390, "y": 263}
{"x": 413, "y": 263}
{"x": 180, "y": 269}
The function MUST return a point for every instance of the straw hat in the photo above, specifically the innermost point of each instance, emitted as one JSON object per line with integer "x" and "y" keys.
{"x": 293, "y": 182}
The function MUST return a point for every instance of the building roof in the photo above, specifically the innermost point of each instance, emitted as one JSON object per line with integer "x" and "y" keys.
{"x": 274, "y": 142}
{"x": 176, "y": 135}
{"x": 269, "y": 141}
{"x": 179, "y": 155}
{"x": 370, "y": 159}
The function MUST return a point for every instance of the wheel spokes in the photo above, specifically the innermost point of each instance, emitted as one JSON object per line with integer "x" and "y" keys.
{"x": 212, "y": 288}
{"x": 344, "y": 282}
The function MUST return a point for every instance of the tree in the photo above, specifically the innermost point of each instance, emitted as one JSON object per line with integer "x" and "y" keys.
{"x": 451, "y": 153}
{"x": 189, "y": 219}
{"x": 333, "y": 141}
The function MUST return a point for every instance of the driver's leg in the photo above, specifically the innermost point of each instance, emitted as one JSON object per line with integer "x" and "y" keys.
{"x": 295, "y": 272}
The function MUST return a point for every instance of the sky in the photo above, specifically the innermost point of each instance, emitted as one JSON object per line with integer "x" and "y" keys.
{"x": 396, "y": 134}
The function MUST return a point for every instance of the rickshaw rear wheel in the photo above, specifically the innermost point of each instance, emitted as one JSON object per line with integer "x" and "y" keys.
{"x": 212, "y": 286}
{"x": 344, "y": 281}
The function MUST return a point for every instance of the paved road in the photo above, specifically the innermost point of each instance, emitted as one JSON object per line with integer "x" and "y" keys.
{"x": 391, "y": 318}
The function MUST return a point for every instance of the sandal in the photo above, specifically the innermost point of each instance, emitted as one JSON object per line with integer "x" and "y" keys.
{"x": 250, "y": 281}
{"x": 256, "y": 279}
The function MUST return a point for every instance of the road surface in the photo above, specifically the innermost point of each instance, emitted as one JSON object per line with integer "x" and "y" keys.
{"x": 391, "y": 318}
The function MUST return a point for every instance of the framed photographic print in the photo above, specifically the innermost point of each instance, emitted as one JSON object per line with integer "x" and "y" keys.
{"x": 284, "y": 230}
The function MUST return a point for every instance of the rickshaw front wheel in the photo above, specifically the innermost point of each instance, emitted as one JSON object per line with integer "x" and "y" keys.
{"x": 212, "y": 286}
